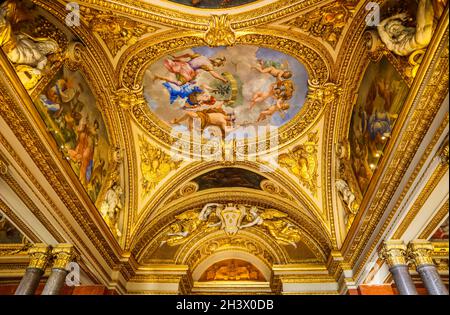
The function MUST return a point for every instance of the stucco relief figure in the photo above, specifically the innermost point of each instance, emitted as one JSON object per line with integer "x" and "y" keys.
{"x": 404, "y": 40}
{"x": 28, "y": 54}
{"x": 231, "y": 219}
{"x": 188, "y": 223}
{"x": 348, "y": 198}
{"x": 302, "y": 162}
{"x": 274, "y": 221}
{"x": 111, "y": 207}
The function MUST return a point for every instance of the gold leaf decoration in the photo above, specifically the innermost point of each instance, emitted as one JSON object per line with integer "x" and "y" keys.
{"x": 155, "y": 165}
{"x": 327, "y": 22}
{"x": 115, "y": 31}
{"x": 302, "y": 162}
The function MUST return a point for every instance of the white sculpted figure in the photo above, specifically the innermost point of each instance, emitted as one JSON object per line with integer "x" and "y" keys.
{"x": 348, "y": 197}
{"x": 27, "y": 53}
{"x": 403, "y": 40}
{"x": 111, "y": 207}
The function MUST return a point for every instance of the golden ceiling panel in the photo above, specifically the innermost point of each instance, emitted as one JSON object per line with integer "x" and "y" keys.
{"x": 107, "y": 95}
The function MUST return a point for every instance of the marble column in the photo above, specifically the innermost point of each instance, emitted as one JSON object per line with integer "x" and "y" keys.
{"x": 420, "y": 252}
{"x": 394, "y": 252}
{"x": 62, "y": 255}
{"x": 39, "y": 257}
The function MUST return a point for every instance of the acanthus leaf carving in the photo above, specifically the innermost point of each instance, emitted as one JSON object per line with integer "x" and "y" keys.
{"x": 220, "y": 32}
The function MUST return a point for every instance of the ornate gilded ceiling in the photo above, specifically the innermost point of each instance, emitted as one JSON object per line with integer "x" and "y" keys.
{"x": 183, "y": 132}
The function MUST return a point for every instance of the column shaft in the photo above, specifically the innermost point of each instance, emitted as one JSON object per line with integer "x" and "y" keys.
{"x": 63, "y": 254}
{"x": 39, "y": 256}
{"x": 29, "y": 282}
{"x": 432, "y": 280}
{"x": 55, "y": 282}
{"x": 403, "y": 280}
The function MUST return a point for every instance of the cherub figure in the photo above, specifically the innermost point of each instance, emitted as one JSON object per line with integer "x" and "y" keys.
{"x": 276, "y": 70}
{"x": 280, "y": 106}
{"x": 281, "y": 90}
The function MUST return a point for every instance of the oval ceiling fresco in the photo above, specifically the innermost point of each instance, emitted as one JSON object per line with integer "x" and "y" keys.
{"x": 213, "y": 4}
{"x": 226, "y": 87}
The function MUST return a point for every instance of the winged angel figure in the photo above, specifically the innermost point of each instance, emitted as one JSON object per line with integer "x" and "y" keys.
{"x": 274, "y": 221}
{"x": 190, "y": 222}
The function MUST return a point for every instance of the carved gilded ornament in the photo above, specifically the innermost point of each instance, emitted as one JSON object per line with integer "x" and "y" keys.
{"x": 420, "y": 252}
{"x": 220, "y": 32}
{"x": 394, "y": 253}
{"x": 110, "y": 202}
{"x": 302, "y": 162}
{"x": 40, "y": 255}
{"x": 116, "y": 31}
{"x": 348, "y": 198}
{"x": 326, "y": 22}
{"x": 323, "y": 94}
{"x": 443, "y": 153}
{"x": 228, "y": 244}
{"x": 127, "y": 98}
{"x": 274, "y": 189}
{"x": 62, "y": 255}
{"x": 185, "y": 190}
{"x": 3, "y": 167}
{"x": 155, "y": 165}
{"x": 34, "y": 47}
{"x": 231, "y": 219}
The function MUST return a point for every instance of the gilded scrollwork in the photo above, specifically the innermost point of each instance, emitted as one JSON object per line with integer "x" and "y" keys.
{"x": 116, "y": 31}
{"x": 245, "y": 244}
{"x": 220, "y": 32}
{"x": 127, "y": 98}
{"x": 302, "y": 162}
{"x": 275, "y": 189}
{"x": 185, "y": 190}
{"x": 346, "y": 185}
{"x": 155, "y": 165}
{"x": 326, "y": 22}
{"x": 3, "y": 166}
{"x": 323, "y": 94}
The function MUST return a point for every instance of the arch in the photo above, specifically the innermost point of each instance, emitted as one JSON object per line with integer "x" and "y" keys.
{"x": 159, "y": 201}
{"x": 315, "y": 237}
{"x": 218, "y": 257}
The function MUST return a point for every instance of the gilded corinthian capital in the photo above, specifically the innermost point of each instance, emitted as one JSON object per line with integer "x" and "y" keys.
{"x": 39, "y": 256}
{"x": 394, "y": 253}
{"x": 63, "y": 254}
{"x": 420, "y": 251}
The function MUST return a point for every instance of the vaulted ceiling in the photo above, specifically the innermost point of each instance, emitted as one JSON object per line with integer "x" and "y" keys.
{"x": 105, "y": 115}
